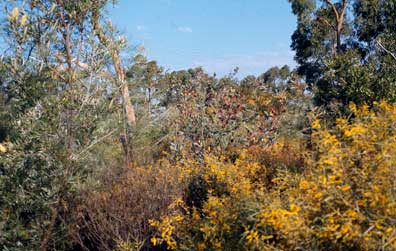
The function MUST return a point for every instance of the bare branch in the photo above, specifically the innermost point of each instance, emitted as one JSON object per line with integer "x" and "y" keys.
{"x": 328, "y": 23}
{"x": 334, "y": 8}
{"x": 344, "y": 7}
{"x": 386, "y": 50}
{"x": 342, "y": 15}
{"x": 340, "y": 21}
{"x": 75, "y": 157}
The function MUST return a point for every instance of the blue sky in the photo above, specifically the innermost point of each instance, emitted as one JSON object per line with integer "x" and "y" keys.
{"x": 216, "y": 34}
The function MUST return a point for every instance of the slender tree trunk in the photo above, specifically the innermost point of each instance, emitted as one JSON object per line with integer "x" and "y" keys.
{"x": 128, "y": 108}
{"x": 340, "y": 17}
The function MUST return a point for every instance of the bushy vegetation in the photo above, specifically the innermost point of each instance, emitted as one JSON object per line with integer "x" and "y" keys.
{"x": 103, "y": 149}
{"x": 341, "y": 197}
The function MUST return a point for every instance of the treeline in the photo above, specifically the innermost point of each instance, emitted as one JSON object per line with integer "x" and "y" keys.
{"x": 103, "y": 149}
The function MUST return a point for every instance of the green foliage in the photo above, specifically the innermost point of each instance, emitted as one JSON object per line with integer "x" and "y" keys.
{"x": 56, "y": 106}
{"x": 210, "y": 163}
{"x": 341, "y": 199}
{"x": 358, "y": 66}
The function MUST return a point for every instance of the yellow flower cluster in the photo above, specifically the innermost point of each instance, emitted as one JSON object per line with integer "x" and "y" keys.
{"x": 14, "y": 15}
{"x": 166, "y": 229}
{"x": 343, "y": 199}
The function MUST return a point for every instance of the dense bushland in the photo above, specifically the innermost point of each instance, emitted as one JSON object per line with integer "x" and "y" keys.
{"x": 340, "y": 197}
{"x": 103, "y": 149}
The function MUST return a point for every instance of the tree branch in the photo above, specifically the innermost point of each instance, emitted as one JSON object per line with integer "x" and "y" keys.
{"x": 342, "y": 15}
{"x": 129, "y": 111}
{"x": 328, "y": 23}
{"x": 75, "y": 157}
{"x": 334, "y": 8}
{"x": 344, "y": 7}
{"x": 386, "y": 50}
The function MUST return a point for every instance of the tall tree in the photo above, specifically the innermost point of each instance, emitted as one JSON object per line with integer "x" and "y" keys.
{"x": 56, "y": 83}
{"x": 344, "y": 49}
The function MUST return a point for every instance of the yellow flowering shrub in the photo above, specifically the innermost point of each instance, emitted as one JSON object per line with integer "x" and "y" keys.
{"x": 346, "y": 201}
{"x": 344, "y": 197}
{"x": 216, "y": 226}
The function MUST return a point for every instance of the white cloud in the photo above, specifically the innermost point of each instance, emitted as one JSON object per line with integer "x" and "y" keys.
{"x": 248, "y": 64}
{"x": 184, "y": 29}
{"x": 141, "y": 27}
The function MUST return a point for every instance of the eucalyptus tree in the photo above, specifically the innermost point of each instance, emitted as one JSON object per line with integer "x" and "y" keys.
{"x": 61, "y": 75}
{"x": 345, "y": 49}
